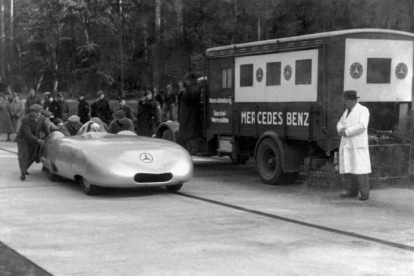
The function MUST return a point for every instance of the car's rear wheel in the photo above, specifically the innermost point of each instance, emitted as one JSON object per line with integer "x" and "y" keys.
{"x": 174, "y": 188}
{"x": 89, "y": 188}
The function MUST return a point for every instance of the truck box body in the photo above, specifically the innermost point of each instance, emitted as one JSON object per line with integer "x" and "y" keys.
{"x": 294, "y": 86}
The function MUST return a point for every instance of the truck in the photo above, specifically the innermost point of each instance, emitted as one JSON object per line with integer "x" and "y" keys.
{"x": 279, "y": 101}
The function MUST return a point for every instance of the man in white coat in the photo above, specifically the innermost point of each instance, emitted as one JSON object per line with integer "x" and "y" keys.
{"x": 354, "y": 157}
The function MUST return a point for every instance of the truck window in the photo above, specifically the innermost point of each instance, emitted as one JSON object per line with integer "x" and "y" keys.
{"x": 226, "y": 78}
{"x": 273, "y": 73}
{"x": 379, "y": 70}
{"x": 303, "y": 71}
{"x": 246, "y": 75}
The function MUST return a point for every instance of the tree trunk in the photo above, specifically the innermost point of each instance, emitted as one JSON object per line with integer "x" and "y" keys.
{"x": 11, "y": 46}
{"x": 156, "y": 70}
{"x": 2, "y": 41}
{"x": 121, "y": 48}
{"x": 179, "y": 11}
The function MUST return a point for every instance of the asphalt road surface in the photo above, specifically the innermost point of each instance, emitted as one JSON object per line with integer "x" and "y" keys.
{"x": 223, "y": 222}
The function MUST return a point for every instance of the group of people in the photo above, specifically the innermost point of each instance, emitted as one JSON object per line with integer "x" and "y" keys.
{"x": 34, "y": 120}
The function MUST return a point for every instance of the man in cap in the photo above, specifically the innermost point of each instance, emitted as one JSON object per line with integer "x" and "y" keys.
{"x": 120, "y": 123}
{"x": 48, "y": 117}
{"x": 129, "y": 112}
{"x": 62, "y": 110}
{"x": 28, "y": 138}
{"x": 50, "y": 104}
{"x": 31, "y": 100}
{"x": 101, "y": 108}
{"x": 354, "y": 159}
{"x": 83, "y": 109}
{"x": 73, "y": 124}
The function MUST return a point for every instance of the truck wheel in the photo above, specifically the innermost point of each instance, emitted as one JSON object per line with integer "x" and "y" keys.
{"x": 174, "y": 188}
{"x": 168, "y": 135}
{"x": 88, "y": 188}
{"x": 269, "y": 163}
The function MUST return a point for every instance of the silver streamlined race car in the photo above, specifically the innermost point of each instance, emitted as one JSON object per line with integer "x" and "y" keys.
{"x": 101, "y": 159}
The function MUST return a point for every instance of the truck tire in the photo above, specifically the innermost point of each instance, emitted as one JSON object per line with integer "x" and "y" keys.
{"x": 269, "y": 163}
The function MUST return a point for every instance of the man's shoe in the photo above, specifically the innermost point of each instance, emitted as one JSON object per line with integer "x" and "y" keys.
{"x": 364, "y": 197}
{"x": 348, "y": 194}
{"x": 22, "y": 177}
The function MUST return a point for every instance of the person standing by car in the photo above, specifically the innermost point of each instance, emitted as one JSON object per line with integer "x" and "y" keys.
{"x": 83, "y": 109}
{"x": 169, "y": 104}
{"x": 73, "y": 124}
{"x": 28, "y": 138}
{"x": 50, "y": 104}
{"x": 354, "y": 159}
{"x": 17, "y": 109}
{"x": 63, "y": 108}
{"x": 6, "y": 123}
{"x": 31, "y": 100}
{"x": 102, "y": 108}
{"x": 147, "y": 114}
{"x": 120, "y": 123}
{"x": 129, "y": 112}
{"x": 189, "y": 116}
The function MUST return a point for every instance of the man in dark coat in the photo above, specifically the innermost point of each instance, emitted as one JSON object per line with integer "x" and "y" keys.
{"x": 6, "y": 122}
{"x": 83, "y": 109}
{"x": 73, "y": 124}
{"x": 62, "y": 110}
{"x": 28, "y": 141}
{"x": 50, "y": 104}
{"x": 147, "y": 114}
{"x": 102, "y": 108}
{"x": 31, "y": 100}
{"x": 189, "y": 115}
{"x": 120, "y": 123}
{"x": 129, "y": 112}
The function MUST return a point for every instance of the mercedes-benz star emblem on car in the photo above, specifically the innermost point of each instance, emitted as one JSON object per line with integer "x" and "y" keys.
{"x": 146, "y": 157}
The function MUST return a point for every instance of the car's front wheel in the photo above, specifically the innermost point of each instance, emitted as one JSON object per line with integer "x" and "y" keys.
{"x": 88, "y": 187}
{"x": 174, "y": 188}
{"x": 51, "y": 176}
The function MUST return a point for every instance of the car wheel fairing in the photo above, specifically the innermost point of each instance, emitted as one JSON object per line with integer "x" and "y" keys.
{"x": 51, "y": 176}
{"x": 174, "y": 188}
{"x": 168, "y": 135}
{"x": 88, "y": 187}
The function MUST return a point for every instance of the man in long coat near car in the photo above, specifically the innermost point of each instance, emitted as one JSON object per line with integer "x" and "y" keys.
{"x": 28, "y": 138}
{"x": 354, "y": 159}
{"x": 189, "y": 112}
{"x": 83, "y": 109}
{"x": 6, "y": 123}
{"x": 147, "y": 114}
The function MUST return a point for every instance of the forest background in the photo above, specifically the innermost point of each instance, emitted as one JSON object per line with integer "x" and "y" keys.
{"x": 122, "y": 46}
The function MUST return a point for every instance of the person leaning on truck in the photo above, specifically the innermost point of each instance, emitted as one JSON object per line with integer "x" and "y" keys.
{"x": 354, "y": 157}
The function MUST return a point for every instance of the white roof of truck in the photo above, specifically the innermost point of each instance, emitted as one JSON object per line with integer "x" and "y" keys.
{"x": 308, "y": 37}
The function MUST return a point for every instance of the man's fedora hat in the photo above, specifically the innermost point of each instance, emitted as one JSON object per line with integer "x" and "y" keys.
{"x": 350, "y": 94}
